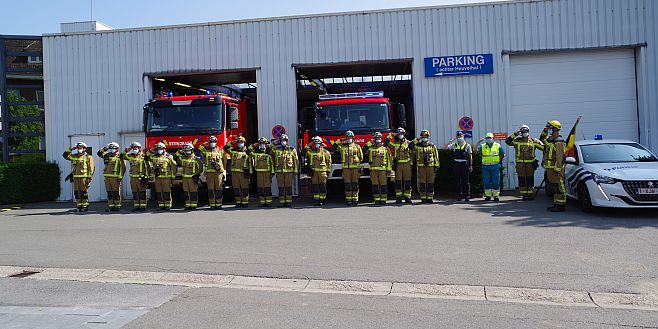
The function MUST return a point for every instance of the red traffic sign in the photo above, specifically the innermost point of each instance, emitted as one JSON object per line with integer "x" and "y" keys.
{"x": 278, "y": 131}
{"x": 466, "y": 123}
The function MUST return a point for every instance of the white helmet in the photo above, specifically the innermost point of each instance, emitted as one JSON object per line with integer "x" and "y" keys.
{"x": 524, "y": 128}
{"x": 160, "y": 146}
{"x": 81, "y": 144}
{"x": 189, "y": 146}
{"x": 317, "y": 139}
{"x": 349, "y": 133}
{"x": 113, "y": 145}
{"x": 135, "y": 144}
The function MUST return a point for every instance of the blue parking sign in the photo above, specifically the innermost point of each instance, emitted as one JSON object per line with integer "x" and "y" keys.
{"x": 448, "y": 66}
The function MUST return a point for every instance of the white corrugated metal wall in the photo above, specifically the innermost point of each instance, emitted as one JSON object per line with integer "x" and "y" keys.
{"x": 94, "y": 81}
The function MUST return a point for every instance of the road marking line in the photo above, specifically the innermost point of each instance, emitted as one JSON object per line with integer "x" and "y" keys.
{"x": 395, "y": 289}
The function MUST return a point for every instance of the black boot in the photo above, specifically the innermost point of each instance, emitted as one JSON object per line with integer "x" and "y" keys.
{"x": 407, "y": 200}
{"x": 398, "y": 200}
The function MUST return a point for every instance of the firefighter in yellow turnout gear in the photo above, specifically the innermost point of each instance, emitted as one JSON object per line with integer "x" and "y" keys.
{"x": 263, "y": 164}
{"x": 164, "y": 171}
{"x": 553, "y": 163}
{"x": 286, "y": 166}
{"x": 191, "y": 169}
{"x": 240, "y": 171}
{"x": 139, "y": 174}
{"x": 319, "y": 161}
{"x": 402, "y": 158}
{"x": 113, "y": 172}
{"x": 82, "y": 170}
{"x": 379, "y": 158}
{"x": 351, "y": 156}
{"x": 426, "y": 159}
{"x": 214, "y": 160}
{"x": 524, "y": 147}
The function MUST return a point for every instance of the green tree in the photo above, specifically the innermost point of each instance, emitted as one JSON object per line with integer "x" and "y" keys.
{"x": 23, "y": 143}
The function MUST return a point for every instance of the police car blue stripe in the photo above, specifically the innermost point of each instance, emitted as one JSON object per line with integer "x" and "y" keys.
{"x": 577, "y": 175}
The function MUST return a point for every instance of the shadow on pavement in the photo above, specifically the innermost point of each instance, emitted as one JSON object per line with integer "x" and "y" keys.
{"x": 534, "y": 213}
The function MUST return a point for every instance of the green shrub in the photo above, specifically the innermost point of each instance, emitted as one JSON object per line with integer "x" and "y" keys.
{"x": 29, "y": 182}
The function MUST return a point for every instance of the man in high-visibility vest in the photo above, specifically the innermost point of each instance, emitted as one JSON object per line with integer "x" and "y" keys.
{"x": 351, "y": 156}
{"x": 113, "y": 172}
{"x": 139, "y": 174}
{"x": 164, "y": 170}
{"x": 492, "y": 157}
{"x": 553, "y": 163}
{"x": 263, "y": 164}
{"x": 214, "y": 160}
{"x": 380, "y": 163}
{"x": 462, "y": 158}
{"x": 286, "y": 167}
{"x": 82, "y": 170}
{"x": 240, "y": 171}
{"x": 191, "y": 169}
{"x": 524, "y": 147}
{"x": 319, "y": 161}
{"x": 402, "y": 158}
{"x": 426, "y": 159}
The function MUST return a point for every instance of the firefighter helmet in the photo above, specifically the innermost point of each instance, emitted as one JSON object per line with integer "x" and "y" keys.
{"x": 401, "y": 131}
{"x": 554, "y": 124}
{"x": 160, "y": 146}
{"x": 262, "y": 140}
{"x": 212, "y": 139}
{"x": 135, "y": 144}
{"x": 349, "y": 133}
{"x": 524, "y": 128}
{"x": 189, "y": 146}
{"x": 113, "y": 145}
{"x": 317, "y": 139}
{"x": 240, "y": 139}
{"x": 283, "y": 137}
{"x": 425, "y": 133}
{"x": 377, "y": 135}
{"x": 81, "y": 144}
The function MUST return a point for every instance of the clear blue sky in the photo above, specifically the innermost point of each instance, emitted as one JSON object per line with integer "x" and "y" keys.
{"x": 43, "y": 16}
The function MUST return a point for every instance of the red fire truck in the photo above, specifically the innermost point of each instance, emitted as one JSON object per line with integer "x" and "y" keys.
{"x": 363, "y": 113}
{"x": 178, "y": 120}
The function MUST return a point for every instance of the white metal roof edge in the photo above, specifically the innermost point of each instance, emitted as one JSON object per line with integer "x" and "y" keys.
{"x": 282, "y": 18}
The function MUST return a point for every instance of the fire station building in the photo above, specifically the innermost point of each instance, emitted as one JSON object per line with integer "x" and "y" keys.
{"x": 501, "y": 64}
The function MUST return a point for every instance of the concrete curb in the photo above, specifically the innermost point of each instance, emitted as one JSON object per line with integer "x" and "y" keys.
{"x": 397, "y": 289}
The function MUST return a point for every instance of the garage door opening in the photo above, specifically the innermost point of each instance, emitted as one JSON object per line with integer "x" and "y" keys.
{"x": 236, "y": 104}
{"x": 393, "y": 78}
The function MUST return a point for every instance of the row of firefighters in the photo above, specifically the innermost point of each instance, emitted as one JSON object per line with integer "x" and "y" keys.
{"x": 265, "y": 160}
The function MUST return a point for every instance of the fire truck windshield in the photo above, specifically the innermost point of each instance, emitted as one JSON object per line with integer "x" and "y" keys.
{"x": 184, "y": 118}
{"x": 356, "y": 117}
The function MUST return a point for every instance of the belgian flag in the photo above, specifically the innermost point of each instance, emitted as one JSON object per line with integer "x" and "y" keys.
{"x": 571, "y": 139}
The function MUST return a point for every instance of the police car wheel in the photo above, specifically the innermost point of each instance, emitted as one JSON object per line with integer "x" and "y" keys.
{"x": 585, "y": 199}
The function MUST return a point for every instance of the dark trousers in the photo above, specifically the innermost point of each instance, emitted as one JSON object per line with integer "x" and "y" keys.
{"x": 462, "y": 182}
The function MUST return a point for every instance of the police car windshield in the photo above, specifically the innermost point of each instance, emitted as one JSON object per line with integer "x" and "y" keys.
{"x": 615, "y": 153}
{"x": 356, "y": 117}
{"x": 184, "y": 118}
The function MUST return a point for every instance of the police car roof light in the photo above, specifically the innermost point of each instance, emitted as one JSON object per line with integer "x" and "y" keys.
{"x": 598, "y": 137}
{"x": 368, "y": 94}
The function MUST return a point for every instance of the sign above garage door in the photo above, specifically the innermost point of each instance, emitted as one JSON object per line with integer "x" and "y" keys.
{"x": 447, "y": 66}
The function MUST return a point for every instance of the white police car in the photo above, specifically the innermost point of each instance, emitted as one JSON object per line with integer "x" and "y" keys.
{"x": 612, "y": 173}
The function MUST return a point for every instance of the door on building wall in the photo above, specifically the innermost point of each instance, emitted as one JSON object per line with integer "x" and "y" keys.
{"x": 125, "y": 140}
{"x": 97, "y": 189}
{"x": 599, "y": 85}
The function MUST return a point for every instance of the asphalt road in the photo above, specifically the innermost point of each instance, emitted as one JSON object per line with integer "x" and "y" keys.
{"x": 511, "y": 244}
